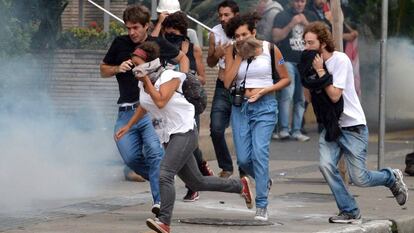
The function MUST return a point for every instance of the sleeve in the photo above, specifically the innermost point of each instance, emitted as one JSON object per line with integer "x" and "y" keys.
{"x": 281, "y": 20}
{"x": 111, "y": 54}
{"x": 167, "y": 50}
{"x": 168, "y": 75}
{"x": 340, "y": 73}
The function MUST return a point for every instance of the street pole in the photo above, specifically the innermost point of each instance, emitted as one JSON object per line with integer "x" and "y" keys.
{"x": 383, "y": 73}
{"x": 154, "y": 15}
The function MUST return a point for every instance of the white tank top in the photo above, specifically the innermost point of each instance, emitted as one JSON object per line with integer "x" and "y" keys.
{"x": 259, "y": 74}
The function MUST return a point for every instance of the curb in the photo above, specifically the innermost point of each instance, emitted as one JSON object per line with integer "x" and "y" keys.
{"x": 376, "y": 226}
{"x": 403, "y": 225}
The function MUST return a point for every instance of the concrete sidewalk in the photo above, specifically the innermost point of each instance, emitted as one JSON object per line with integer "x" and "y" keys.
{"x": 300, "y": 201}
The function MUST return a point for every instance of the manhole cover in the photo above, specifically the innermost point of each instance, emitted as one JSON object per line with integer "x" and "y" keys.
{"x": 226, "y": 222}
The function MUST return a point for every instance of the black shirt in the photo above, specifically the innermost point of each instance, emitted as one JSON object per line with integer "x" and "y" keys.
{"x": 120, "y": 51}
{"x": 292, "y": 46}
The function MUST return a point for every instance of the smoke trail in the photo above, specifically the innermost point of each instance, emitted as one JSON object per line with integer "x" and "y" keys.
{"x": 399, "y": 82}
{"x": 43, "y": 155}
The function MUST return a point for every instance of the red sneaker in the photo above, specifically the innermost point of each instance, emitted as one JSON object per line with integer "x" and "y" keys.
{"x": 206, "y": 170}
{"x": 247, "y": 192}
{"x": 191, "y": 196}
{"x": 158, "y": 226}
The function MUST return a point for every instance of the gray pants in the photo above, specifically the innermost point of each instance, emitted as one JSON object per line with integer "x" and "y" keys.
{"x": 179, "y": 159}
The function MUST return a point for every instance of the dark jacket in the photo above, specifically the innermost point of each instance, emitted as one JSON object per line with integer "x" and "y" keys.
{"x": 327, "y": 113}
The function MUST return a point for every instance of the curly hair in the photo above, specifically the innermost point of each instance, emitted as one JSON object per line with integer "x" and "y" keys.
{"x": 322, "y": 33}
{"x": 151, "y": 48}
{"x": 137, "y": 14}
{"x": 249, "y": 19}
{"x": 178, "y": 21}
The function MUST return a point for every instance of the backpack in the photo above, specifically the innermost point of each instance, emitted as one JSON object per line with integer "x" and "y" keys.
{"x": 194, "y": 93}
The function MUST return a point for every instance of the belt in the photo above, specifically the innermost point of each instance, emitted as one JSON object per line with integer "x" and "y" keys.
{"x": 128, "y": 108}
{"x": 355, "y": 128}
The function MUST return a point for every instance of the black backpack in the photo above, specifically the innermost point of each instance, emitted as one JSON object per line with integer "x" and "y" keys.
{"x": 194, "y": 92}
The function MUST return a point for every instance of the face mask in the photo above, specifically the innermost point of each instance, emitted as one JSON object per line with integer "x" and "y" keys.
{"x": 175, "y": 39}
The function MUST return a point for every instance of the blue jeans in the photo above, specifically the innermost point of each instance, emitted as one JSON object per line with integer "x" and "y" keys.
{"x": 252, "y": 125}
{"x": 219, "y": 121}
{"x": 353, "y": 146}
{"x": 285, "y": 96}
{"x": 141, "y": 149}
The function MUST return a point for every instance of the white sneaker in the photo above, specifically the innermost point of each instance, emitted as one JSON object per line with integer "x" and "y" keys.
{"x": 261, "y": 214}
{"x": 284, "y": 135}
{"x": 275, "y": 136}
{"x": 300, "y": 137}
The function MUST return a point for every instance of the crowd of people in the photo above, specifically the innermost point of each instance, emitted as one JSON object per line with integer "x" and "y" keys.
{"x": 278, "y": 56}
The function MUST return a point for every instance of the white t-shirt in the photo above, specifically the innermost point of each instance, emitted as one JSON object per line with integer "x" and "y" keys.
{"x": 177, "y": 116}
{"x": 220, "y": 37}
{"x": 340, "y": 67}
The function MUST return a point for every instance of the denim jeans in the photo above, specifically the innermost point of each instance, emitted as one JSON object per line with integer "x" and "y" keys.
{"x": 285, "y": 96}
{"x": 252, "y": 125}
{"x": 353, "y": 146}
{"x": 141, "y": 150}
{"x": 219, "y": 121}
{"x": 179, "y": 159}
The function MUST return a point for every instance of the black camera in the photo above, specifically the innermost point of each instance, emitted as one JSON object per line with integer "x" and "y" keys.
{"x": 238, "y": 95}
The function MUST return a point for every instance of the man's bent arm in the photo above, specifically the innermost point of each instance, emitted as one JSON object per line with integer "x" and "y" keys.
{"x": 108, "y": 71}
{"x": 211, "y": 59}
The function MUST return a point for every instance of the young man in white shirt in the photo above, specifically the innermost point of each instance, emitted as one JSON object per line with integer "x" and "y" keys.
{"x": 353, "y": 140}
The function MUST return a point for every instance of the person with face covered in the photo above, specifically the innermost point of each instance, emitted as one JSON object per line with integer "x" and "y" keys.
{"x": 248, "y": 74}
{"x": 173, "y": 120}
{"x": 328, "y": 74}
{"x": 140, "y": 148}
{"x": 175, "y": 31}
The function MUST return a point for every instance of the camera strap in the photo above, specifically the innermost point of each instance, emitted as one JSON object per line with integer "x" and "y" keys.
{"x": 243, "y": 83}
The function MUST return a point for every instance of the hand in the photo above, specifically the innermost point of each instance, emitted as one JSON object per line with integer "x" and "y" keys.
{"x": 143, "y": 78}
{"x": 256, "y": 96}
{"x": 220, "y": 49}
{"x": 297, "y": 19}
{"x": 162, "y": 16}
{"x": 121, "y": 132}
{"x": 317, "y": 63}
{"x": 125, "y": 66}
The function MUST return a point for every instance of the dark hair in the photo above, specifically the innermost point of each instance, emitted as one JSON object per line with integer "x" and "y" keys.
{"x": 322, "y": 33}
{"x": 137, "y": 14}
{"x": 177, "y": 20}
{"x": 151, "y": 48}
{"x": 230, "y": 4}
{"x": 249, "y": 19}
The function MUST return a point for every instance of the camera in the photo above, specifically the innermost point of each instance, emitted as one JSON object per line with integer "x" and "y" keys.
{"x": 238, "y": 95}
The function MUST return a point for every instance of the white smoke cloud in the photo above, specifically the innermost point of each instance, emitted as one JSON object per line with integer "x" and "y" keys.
{"x": 399, "y": 81}
{"x": 44, "y": 155}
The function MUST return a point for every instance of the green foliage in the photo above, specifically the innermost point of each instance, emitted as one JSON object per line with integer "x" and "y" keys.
{"x": 15, "y": 37}
{"x": 369, "y": 13}
{"x": 91, "y": 37}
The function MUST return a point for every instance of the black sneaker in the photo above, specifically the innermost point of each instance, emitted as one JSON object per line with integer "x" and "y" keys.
{"x": 346, "y": 218}
{"x": 156, "y": 209}
{"x": 191, "y": 196}
{"x": 399, "y": 189}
